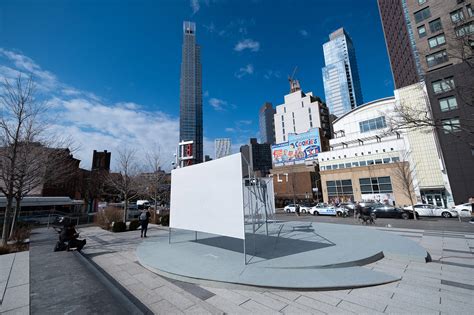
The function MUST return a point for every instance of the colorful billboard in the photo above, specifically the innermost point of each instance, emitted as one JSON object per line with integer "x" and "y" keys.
{"x": 300, "y": 147}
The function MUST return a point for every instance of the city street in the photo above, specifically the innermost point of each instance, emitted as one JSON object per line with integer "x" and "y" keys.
{"x": 424, "y": 223}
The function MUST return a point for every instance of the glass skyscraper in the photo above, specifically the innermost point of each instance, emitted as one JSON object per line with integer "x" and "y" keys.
{"x": 340, "y": 74}
{"x": 266, "y": 123}
{"x": 190, "y": 113}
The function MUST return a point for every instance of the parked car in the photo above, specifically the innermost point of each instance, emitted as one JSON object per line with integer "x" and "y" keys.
{"x": 463, "y": 210}
{"x": 386, "y": 211}
{"x": 324, "y": 209}
{"x": 427, "y": 210}
{"x": 346, "y": 208}
{"x": 292, "y": 208}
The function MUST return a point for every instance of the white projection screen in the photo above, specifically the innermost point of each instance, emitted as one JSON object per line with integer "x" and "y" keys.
{"x": 208, "y": 197}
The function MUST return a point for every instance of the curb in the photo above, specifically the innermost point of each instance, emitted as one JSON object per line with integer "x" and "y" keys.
{"x": 131, "y": 303}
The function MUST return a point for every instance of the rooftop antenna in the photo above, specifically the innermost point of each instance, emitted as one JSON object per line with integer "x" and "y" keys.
{"x": 294, "y": 84}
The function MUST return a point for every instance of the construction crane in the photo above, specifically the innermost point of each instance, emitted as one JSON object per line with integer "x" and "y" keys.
{"x": 294, "y": 84}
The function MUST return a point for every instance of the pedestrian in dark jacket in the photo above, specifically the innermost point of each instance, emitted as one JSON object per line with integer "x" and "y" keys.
{"x": 70, "y": 235}
{"x": 144, "y": 219}
{"x": 357, "y": 210}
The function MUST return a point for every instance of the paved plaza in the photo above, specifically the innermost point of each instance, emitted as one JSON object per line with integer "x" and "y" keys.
{"x": 14, "y": 283}
{"x": 444, "y": 286}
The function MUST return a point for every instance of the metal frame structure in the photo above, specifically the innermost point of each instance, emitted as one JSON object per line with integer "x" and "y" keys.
{"x": 257, "y": 205}
{"x": 258, "y": 208}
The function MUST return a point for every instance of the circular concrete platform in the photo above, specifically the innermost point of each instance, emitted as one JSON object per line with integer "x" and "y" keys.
{"x": 297, "y": 255}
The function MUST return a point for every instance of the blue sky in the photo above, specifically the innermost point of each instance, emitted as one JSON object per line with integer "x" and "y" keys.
{"x": 105, "y": 63}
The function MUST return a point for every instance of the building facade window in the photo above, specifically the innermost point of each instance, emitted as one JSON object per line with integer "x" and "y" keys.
{"x": 457, "y": 16}
{"x": 448, "y": 103}
{"x": 339, "y": 188}
{"x": 372, "y": 124}
{"x": 422, "y": 31}
{"x": 423, "y": 14}
{"x": 444, "y": 85}
{"x": 437, "y": 58}
{"x": 436, "y": 25}
{"x": 375, "y": 185}
{"x": 451, "y": 125}
{"x": 420, "y": 2}
{"x": 466, "y": 29}
{"x": 469, "y": 10}
{"x": 437, "y": 41}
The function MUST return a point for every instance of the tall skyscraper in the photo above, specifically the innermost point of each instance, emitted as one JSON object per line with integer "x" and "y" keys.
{"x": 431, "y": 40}
{"x": 266, "y": 123}
{"x": 190, "y": 113}
{"x": 259, "y": 157}
{"x": 222, "y": 147}
{"x": 340, "y": 74}
{"x": 404, "y": 60}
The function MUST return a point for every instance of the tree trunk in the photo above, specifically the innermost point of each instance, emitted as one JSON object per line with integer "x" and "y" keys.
{"x": 16, "y": 214}
{"x": 414, "y": 212}
{"x": 125, "y": 209}
{"x": 6, "y": 221}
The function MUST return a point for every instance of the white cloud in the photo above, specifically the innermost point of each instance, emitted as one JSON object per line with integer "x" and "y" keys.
{"x": 271, "y": 73}
{"x": 46, "y": 80}
{"x": 249, "y": 44}
{"x": 195, "y": 6}
{"x": 304, "y": 33}
{"x": 218, "y": 104}
{"x": 211, "y": 28}
{"x": 247, "y": 70}
{"x": 94, "y": 123}
{"x": 244, "y": 122}
{"x": 229, "y": 129}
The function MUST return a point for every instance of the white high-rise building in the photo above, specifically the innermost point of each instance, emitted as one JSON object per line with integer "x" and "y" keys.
{"x": 300, "y": 113}
{"x": 222, "y": 147}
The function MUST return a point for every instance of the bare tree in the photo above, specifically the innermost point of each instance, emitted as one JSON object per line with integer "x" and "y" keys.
{"x": 126, "y": 180}
{"x": 40, "y": 164}
{"x": 459, "y": 49}
{"x": 93, "y": 185}
{"x": 155, "y": 180}
{"x": 19, "y": 115}
{"x": 405, "y": 174}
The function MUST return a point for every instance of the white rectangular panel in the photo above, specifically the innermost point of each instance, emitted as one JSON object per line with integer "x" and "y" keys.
{"x": 208, "y": 197}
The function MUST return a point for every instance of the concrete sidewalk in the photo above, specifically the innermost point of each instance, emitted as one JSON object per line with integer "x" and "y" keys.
{"x": 15, "y": 283}
{"x": 445, "y": 285}
{"x": 62, "y": 283}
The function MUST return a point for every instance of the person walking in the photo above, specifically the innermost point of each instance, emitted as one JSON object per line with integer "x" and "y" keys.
{"x": 357, "y": 210}
{"x": 297, "y": 210}
{"x": 144, "y": 218}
